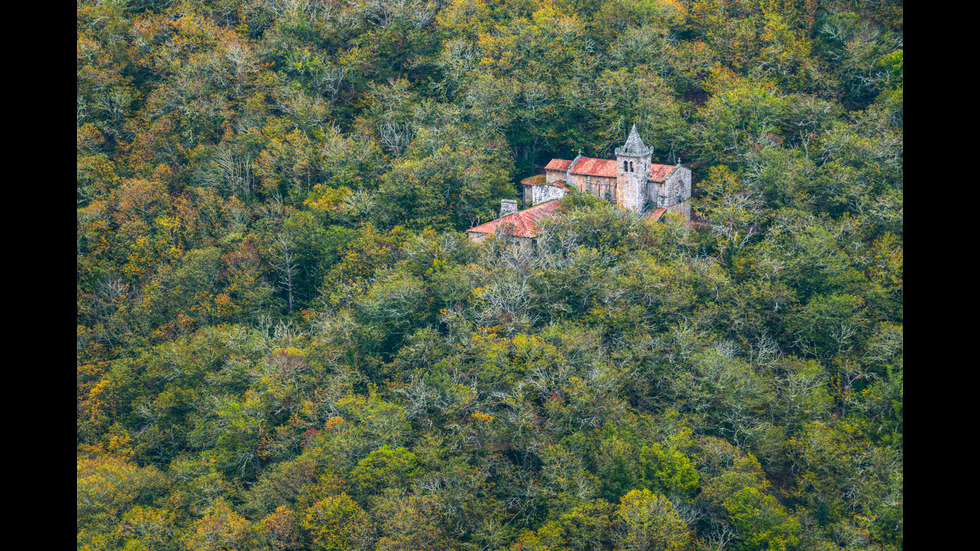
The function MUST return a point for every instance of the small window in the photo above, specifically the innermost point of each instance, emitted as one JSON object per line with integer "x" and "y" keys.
{"x": 626, "y": 167}
{"x": 631, "y": 166}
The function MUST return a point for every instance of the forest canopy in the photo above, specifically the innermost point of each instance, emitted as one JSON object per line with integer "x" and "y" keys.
{"x": 286, "y": 341}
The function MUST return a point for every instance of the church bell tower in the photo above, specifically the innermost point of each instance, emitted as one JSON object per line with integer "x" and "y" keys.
{"x": 633, "y": 172}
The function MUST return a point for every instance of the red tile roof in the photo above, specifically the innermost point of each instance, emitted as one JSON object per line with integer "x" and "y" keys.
{"x": 659, "y": 173}
{"x": 655, "y": 214}
{"x": 606, "y": 168}
{"x": 557, "y": 164}
{"x": 520, "y": 224}
{"x": 595, "y": 167}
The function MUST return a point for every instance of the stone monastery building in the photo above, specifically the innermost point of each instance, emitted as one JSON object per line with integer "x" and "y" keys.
{"x": 631, "y": 181}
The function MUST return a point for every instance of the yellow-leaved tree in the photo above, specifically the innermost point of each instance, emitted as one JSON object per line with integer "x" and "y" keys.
{"x": 648, "y": 522}
{"x": 338, "y": 523}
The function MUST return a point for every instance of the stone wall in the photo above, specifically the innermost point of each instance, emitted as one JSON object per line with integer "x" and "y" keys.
{"x": 631, "y": 188}
{"x": 677, "y": 187}
{"x": 596, "y": 185}
{"x": 653, "y": 193}
{"x": 543, "y": 193}
{"x": 554, "y": 176}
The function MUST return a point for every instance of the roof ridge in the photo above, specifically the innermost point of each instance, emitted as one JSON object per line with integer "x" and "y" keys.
{"x": 522, "y": 223}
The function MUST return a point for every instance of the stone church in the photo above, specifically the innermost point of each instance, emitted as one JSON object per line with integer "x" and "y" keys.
{"x": 631, "y": 180}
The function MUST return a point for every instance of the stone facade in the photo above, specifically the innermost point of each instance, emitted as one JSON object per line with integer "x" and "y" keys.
{"x": 537, "y": 190}
{"x": 633, "y": 172}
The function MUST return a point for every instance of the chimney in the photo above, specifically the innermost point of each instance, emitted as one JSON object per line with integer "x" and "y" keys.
{"x": 507, "y": 206}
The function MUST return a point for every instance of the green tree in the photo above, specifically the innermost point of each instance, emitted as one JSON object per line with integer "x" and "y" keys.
{"x": 740, "y": 115}
{"x": 410, "y": 521}
{"x": 114, "y": 499}
{"x": 448, "y": 179}
{"x": 220, "y": 528}
{"x": 338, "y": 523}
{"x": 383, "y": 468}
{"x": 647, "y": 521}
{"x": 734, "y": 210}
{"x": 280, "y": 530}
{"x": 762, "y": 521}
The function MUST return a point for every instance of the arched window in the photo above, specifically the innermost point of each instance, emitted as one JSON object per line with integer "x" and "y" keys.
{"x": 626, "y": 167}
{"x": 631, "y": 166}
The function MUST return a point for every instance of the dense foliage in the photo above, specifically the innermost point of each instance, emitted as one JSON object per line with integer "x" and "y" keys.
{"x": 285, "y": 342}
